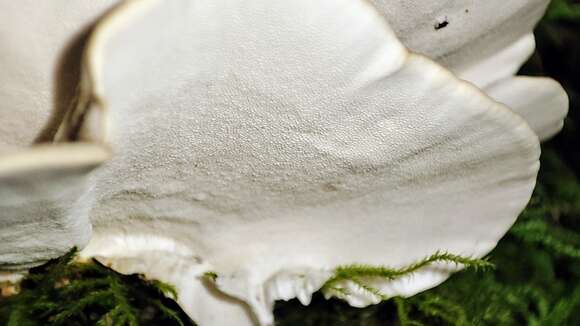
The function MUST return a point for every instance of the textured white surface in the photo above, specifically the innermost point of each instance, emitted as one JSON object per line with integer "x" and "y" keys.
{"x": 475, "y": 30}
{"x": 271, "y": 141}
{"x": 44, "y": 202}
{"x": 39, "y": 52}
{"x": 44, "y": 190}
{"x": 483, "y": 42}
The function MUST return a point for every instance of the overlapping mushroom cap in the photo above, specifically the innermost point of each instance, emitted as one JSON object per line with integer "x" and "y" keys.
{"x": 42, "y": 187}
{"x": 485, "y": 43}
{"x": 270, "y": 142}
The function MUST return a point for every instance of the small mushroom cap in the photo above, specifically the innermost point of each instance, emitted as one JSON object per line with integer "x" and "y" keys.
{"x": 271, "y": 141}
{"x": 483, "y": 45}
{"x": 502, "y": 65}
{"x": 40, "y": 46}
{"x": 474, "y": 30}
{"x": 542, "y": 100}
{"x": 44, "y": 202}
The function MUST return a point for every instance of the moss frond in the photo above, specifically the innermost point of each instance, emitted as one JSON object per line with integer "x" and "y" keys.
{"x": 403, "y": 313}
{"x": 357, "y": 273}
{"x": 165, "y": 289}
{"x": 560, "y": 241}
{"x": 564, "y": 10}
{"x": 69, "y": 311}
{"x": 440, "y": 308}
{"x": 350, "y": 271}
{"x": 168, "y": 313}
{"x": 212, "y": 276}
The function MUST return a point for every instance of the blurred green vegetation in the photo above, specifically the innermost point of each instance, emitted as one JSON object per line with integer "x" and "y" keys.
{"x": 536, "y": 280}
{"x": 563, "y": 10}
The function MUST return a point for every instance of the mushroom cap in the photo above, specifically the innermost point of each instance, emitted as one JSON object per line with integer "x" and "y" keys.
{"x": 271, "y": 141}
{"x": 542, "y": 101}
{"x": 41, "y": 44}
{"x": 459, "y": 34}
{"x": 44, "y": 200}
{"x": 44, "y": 189}
{"x": 485, "y": 43}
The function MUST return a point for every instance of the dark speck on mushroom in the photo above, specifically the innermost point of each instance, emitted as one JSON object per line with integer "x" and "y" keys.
{"x": 441, "y": 24}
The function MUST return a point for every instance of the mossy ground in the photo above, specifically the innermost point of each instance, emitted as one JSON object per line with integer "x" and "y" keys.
{"x": 536, "y": 280}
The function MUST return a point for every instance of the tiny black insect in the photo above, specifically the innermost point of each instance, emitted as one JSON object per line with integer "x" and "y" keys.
{"x": 440, "y": 25}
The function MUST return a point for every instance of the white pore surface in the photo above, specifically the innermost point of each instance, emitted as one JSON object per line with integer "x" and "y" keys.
{"x": 272, "y": 141}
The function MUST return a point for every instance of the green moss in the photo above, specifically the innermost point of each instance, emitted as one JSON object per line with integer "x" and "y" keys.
{"x": 361, "y": 274}
{"x": 64, "y": 292}
{"x": 212, "y": 276}
{"x": 564, "y": 10}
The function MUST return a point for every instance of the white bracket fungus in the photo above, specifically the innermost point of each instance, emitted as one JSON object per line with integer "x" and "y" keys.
{"x": 268, "y": 142}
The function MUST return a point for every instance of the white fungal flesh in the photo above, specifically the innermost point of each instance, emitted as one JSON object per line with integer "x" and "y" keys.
{"x": 272, "y": 141}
